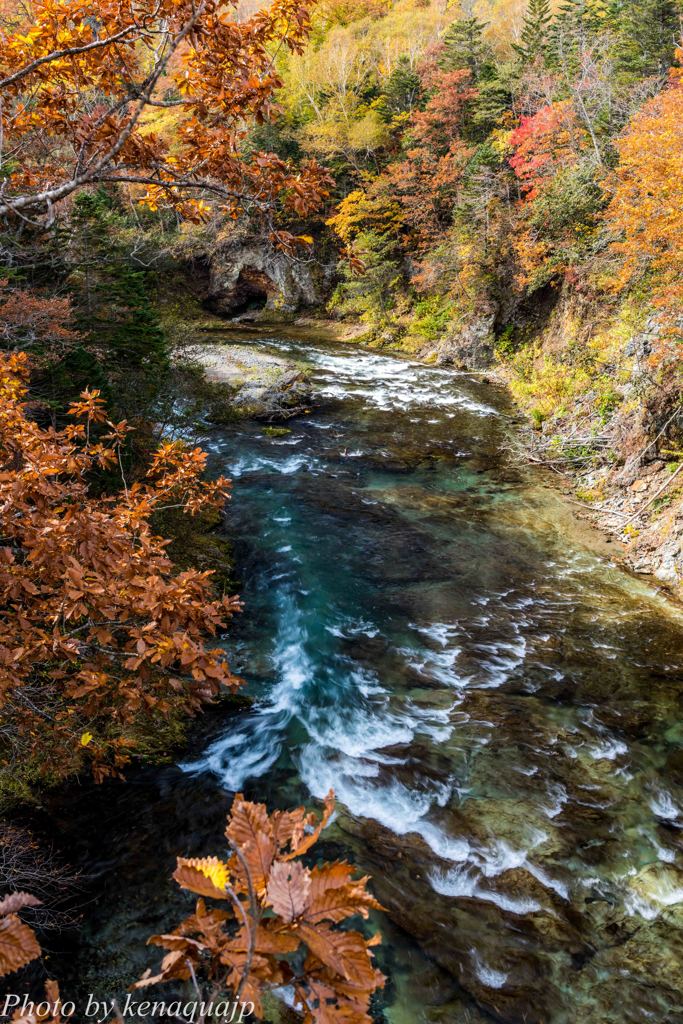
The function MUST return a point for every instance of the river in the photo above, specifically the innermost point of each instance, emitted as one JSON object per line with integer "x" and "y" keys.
{"x": 497, "y": 706}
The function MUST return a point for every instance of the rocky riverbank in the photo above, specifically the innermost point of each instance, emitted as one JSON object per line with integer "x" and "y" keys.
{"x": 608, "y": 435}
{"x": 259, "y": 385}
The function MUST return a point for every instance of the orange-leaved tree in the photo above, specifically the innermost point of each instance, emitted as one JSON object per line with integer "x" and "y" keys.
{"x": 647, "y": 202}
{"x": 98, "y": 630}
{"x": 35, "y": 323}
{"x": 79, "y": 90}
{"x": 277, "y": 923}
{"x": 543, "y": 143}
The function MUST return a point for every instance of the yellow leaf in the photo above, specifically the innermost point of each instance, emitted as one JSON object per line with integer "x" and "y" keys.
{"x": 207, "y": 876}
{"x": 86, "y": 738}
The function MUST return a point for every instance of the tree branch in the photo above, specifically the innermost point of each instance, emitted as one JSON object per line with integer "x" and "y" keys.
{"x": 54, "y": 195}
{"x": 73, "y": 51}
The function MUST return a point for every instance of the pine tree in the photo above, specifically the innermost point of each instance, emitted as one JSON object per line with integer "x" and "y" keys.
{"x": 127, "y": 324}
{"x": 402, "y": 92}
{"x": 464, "y": 47}
{"x": 535, "y": 35}
{"x": 494, "y": 100}
{"x": 576, "y": 24}
{"x": 647, "y": 34}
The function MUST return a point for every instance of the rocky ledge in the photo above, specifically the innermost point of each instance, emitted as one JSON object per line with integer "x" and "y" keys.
{"x": 260, "y": 385}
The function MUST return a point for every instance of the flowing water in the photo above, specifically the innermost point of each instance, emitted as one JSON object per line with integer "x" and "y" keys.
{"x": 496, "y": 706}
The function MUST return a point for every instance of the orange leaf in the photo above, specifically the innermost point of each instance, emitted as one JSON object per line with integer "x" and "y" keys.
{"x": 207, "y": 876}
{"x": 311, "y": 839}
{"x": 249, "y": 829}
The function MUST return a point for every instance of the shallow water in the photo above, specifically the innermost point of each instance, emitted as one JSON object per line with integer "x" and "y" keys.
{"x": 496, "y": 707}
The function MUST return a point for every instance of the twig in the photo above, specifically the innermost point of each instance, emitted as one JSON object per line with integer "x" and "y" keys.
{"x": 595, "y": 508}
{"x": 254, "y": 916}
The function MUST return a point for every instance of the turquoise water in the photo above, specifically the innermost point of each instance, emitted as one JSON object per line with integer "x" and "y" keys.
{"x": 496, "y": 706}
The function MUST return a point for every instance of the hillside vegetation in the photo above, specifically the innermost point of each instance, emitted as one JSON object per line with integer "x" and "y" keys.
{"x": 509, "y": 186}
{"x": 493, "y": 185}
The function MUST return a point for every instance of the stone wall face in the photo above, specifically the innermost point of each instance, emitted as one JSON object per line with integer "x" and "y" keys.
{"x": 247, "y": 277}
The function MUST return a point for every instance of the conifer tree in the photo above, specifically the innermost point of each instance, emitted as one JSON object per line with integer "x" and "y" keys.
{"x": 535, "y": 35}
{"x": 576, "y": 24}
{"x": 647, "y": 34}
{"x": 402, "y": 91}
{"x": 464, "y": 46}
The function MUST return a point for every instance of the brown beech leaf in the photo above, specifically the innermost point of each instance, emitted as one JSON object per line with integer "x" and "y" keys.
{"x": 313, "y": 837}
{"x": 17, "y": 901}
{"x": 345, "y": 953}
{"x": 289, "y": 827}
{"x": 250, "y": 831}
{"x": 335, "y": 895}
{"x": 264, "y": 971}
{"x": 207, "y": 876}
{"x": 172, "y": 941}
{"x": 174, "y": 965}
{"x": 288, "y": 889}
{"x": 323, "y": 1004}
{"x": 268, "y": 941}
{"x": 329, "y": 1002}
{"x": 207, "y": 922}
{"x": 18, "y": 944}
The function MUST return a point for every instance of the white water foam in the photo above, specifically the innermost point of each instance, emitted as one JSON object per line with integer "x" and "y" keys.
{"x": 254, "y": 746}
{"x": 487, "y": 975}
{"x": 391, "y": 384}
{"x": 460, "y": 881}
{"x": 663, "y": 806}
{"x": 245, "y": 465}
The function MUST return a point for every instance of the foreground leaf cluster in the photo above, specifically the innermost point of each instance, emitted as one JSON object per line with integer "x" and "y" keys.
{"x": 277, "y": 923}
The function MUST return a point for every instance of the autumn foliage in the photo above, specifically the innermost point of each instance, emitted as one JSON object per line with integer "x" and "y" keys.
{"x": 80, "y": 97}
{"x": 646, "y": 204}
{"x": 544, "y": 143}
{"x": 19, "y": 946}
{"x": 277, "y": 923}
{"x": 426, "y": 182}
{"x": 34, "y": 323}
{"x": 98, "y": 631}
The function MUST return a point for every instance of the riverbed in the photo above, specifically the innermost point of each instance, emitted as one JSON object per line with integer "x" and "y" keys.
{"x": 429, "y": 631}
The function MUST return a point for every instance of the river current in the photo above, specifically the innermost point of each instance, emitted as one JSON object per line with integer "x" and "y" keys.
{"x": 496, "y": 705}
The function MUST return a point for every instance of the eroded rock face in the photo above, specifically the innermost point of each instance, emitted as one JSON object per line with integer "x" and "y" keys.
{"x": 471, "y": 348}
{"x": 248, "y": 277}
